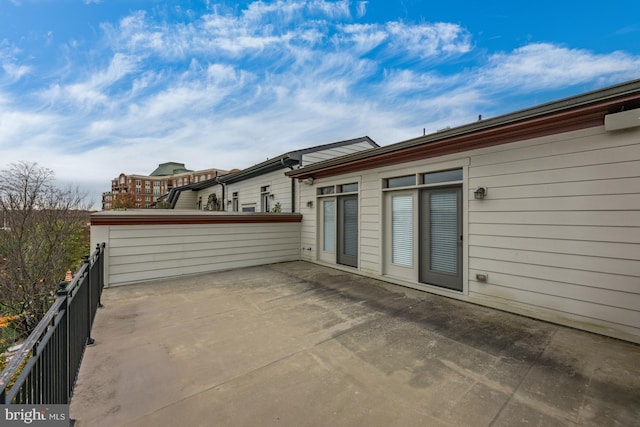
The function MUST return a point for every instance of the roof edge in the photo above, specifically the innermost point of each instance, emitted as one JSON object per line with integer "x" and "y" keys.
{"x": 600, "y": 96}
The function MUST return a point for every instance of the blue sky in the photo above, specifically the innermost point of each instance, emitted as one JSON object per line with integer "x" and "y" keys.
{"x": 93, "y": 88}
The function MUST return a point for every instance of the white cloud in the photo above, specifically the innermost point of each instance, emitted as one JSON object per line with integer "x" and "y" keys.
{"x": 15, "y": 72}
{"x": 429, "y": 40}
{"x": 11, "y": 69}
{"x": 92, "y": 92}
{"x": 361, "y": 8}
{"x": 233, "y": 87}
{"x": 363, "y": 37}
{"x": 549, "y": 66}
{"x": 279, "y": 28}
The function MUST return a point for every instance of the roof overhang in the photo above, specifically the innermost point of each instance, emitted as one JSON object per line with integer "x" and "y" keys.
{"x": 282, "y": 162}
{"x": 579, "y": 112}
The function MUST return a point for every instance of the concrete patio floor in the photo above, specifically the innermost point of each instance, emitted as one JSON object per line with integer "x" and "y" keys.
{"x": 297, "y": 344}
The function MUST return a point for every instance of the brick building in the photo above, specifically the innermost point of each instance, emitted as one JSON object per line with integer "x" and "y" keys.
{"x": 146, "y": 189}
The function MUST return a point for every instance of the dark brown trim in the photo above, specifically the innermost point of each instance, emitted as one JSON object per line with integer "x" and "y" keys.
{"x": 470, "y": 138}
{"x": 195, "y": 219}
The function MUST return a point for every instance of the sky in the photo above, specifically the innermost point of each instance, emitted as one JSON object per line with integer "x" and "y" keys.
{"x": 93, "y": 88}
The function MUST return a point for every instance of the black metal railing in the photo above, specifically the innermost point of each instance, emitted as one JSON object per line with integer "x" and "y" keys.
{"x": 45, "y": 369}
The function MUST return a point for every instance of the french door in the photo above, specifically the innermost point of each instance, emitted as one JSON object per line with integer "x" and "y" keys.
{"x": 348, "y": 230}
{"x": 339, "y": 230}
{"x": 441, "y": 237}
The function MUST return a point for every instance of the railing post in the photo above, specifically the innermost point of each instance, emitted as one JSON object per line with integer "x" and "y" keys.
{"x": 100, "y": 261}
{"x": 63, "y": 291}
{"x": 87, "y": 271}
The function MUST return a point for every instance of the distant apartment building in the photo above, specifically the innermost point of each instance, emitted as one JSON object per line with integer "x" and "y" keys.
{"x": 146, "y": 189}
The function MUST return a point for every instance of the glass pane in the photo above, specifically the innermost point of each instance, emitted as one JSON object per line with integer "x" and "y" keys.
{"x": 444, "y": 232}
{"x": 348, "y": 188}
{"x": 326, "y": 190}
{"x": 444, "y": 176}
{"x": 351, "y": 227}
{"x": 402, "y": 230}
{"x": 328, "y": 226}
{"x": 401, "y": 181}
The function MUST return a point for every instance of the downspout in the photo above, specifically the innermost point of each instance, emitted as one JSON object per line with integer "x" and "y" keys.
{"x": 224, "y": 199}
{"x": 293, "y": 194}
{"x": 223, "y": 202}
{"x": 293, "y": 187}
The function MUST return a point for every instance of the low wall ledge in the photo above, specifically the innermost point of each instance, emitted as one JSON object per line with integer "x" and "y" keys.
{"x": 162, "y": 216}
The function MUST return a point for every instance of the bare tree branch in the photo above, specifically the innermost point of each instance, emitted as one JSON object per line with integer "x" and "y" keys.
{"x": 42, "y": 238}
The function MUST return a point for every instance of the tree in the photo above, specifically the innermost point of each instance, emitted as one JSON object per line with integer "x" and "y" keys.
{"x": 213, "y": 203}
{"x": 123, "y": 201}
{"x": 163, "y": 204}
{"x": 44, "y": 236}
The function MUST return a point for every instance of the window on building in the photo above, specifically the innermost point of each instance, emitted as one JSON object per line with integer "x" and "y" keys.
{"x": 265, "y": 197}
{"x": 326, "y": 190}
{"x": 348, "y": 188}
{"x": 235, "y": 200}
{"x": 337, "y": 189}
{"x": 423, "y": 227}
{"x": 401, "y": 181}
{"x": 442, "y": 176}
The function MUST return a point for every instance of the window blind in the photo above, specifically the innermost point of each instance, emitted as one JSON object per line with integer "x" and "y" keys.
{"x": 328, "y": 226}
{"x": 444, "y": 232}
{"x": 351, "y": 227}
{"x": 402, "y": 230}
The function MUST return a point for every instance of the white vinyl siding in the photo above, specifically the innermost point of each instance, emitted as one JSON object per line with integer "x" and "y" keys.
{"x": 370, "y": 224}
{"x": 558, "y": 232}
{"x": 249, "y": 190}
{"x": 145, "y": 252}
{"x": 187, "y": 200}
{"x": 558, "y": 235}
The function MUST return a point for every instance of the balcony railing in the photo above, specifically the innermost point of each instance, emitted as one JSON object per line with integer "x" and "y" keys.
{"x": 45, "y": 368}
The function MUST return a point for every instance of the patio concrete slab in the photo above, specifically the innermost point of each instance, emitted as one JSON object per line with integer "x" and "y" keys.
{"x": 301, "y": 344}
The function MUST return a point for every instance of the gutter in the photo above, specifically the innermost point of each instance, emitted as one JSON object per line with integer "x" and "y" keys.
{"x": 604, "y": 98}
{"x": 293, "y": 184}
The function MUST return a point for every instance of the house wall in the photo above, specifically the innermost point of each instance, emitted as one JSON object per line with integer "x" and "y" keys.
{"x": 217, "y": 190}
{"x": 187, "y": 200}
{"x": 318, "y": 156}
{"x": 147, "y": 250}
{"x": 249, "y": 190}
{"x": 558, "y": 234}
